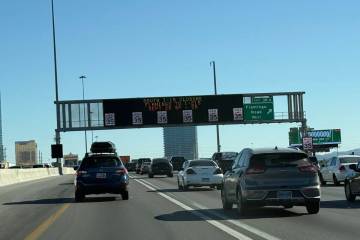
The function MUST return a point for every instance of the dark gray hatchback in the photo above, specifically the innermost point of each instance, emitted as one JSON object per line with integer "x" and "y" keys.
{"x": 271, "y": 177}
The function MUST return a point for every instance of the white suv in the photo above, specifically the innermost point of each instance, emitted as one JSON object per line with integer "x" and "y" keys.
{"x": 337, "y": 168}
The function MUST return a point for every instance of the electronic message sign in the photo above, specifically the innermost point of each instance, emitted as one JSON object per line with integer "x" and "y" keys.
{"x": 178, "y": 110}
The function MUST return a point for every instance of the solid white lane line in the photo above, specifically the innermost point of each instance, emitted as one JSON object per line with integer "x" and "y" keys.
{"x": 215, "y": 223}
{"x": 239, "y": 224}
{"x": 236, "y": 223}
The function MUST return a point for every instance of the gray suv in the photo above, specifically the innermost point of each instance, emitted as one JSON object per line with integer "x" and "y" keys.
{"x": 271, "y": 177}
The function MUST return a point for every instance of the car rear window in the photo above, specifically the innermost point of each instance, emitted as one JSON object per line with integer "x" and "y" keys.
{"x": 349, "y": 159}
{"x": 177, "y": 159}
{"x": 225, "y": 156}
{"x": 279, "y": 160}
{"x": 202, "y": 163}
{"x": 160, "y": 160}
{"x": 96, "y": 162}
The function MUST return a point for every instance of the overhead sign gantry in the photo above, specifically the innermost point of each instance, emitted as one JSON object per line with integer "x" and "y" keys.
{"x": 252, "y": 108}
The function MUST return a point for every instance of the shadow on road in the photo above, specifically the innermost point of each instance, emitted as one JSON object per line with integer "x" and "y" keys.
{"x": 61, "y": 201}
{"x": 220, "y": 214}
{"x": 341, "y": 204}
{"x": 63, "y": 184}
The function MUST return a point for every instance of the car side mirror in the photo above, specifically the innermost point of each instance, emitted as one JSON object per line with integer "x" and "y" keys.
{"x": 76, "y": 168}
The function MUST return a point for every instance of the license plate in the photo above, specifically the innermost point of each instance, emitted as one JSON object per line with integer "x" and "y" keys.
{"x": 284, "y": 195}
{"x": 205, "y": 179}
{"x": 101, "y": 175}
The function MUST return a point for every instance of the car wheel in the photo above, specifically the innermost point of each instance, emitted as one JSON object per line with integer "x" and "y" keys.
{"x": 79, "y": 196}
{"x": 225, "y": 203}
{"x": 125, "y": 195}
{"x": 241, "y": 205}
{"x": 151, "y": 175}
{"x": 322, "y": 181}
{"x": 336, "y": 182}
{"x": 141, "y": 173}
{"x": 219, "y": 187}
{"x": 185, "y": 187}
{"x": 349, "y": 196}
{"x": 288, "y": 206}
{"x": 313, "y": 207}
{"x": 170, "y": 175}
{"x": 179, "y": 186}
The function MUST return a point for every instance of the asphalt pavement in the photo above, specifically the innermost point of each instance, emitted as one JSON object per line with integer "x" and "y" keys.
{"x": 45, "y": 209}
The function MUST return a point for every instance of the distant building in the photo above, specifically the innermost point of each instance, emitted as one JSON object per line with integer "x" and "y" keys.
{"x": 180, "y": 141}
{"x": 71, "y": 160}
{"x": 26, "y": 153}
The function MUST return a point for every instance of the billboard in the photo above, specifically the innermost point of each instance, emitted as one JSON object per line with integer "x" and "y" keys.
{"x": 178, "y": 110}
{"x": 319, "y": 137}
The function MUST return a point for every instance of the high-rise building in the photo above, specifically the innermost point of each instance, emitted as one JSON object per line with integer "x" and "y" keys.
{"x": 26, "y": 153}
{"x": 71, "y": 160}
{"x": 2, "y": 149}
{"x": 180, "y": 141}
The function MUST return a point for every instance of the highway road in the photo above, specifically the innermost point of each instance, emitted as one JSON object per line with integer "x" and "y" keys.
{"x": 45, "y": 209}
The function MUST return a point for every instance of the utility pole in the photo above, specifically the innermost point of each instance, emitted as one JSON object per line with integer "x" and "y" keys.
{"x": 83, "y": 92}
{"x": 212, "y": 63}
{"x": 57, "y": 131}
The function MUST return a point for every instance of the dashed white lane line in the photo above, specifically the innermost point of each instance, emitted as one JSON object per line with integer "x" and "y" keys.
{"x": 214, "y": 223}
{"x": 236, "y": 223}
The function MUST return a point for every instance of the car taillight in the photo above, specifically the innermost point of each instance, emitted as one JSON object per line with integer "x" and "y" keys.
{"x": 308, "y": 168}
{"x": 122, "y": 171}
{"x": 190, "y": 171}
{"x": 342, "y": 168}
{"x": 218, "y": 171}
{"x": 79, "y": 173}
{"x": 255, "y": 170}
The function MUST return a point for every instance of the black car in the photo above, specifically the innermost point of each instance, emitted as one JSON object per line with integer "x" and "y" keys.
{"x": 160, "y": 166}
{"x": 101, "y": 173}
{"x": 131, "y": 166}
{"x": 139, "y": 163}
{"x": 224, "y": 160}
{"x": 177, "y": 162}
{"x": 352, "y": 183}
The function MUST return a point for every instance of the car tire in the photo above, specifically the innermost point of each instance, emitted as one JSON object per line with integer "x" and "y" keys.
{"x": 322, "y": 181}
{"x": 313, "y": 207}
{"x": 179, "y": 186}
{"x": 185, "y": 187}
{"x": 336, "y": 182}
{"x": 125, "y": 195}
{"x": 151, "y": 175}
{"x": 288, "y": 206}
{"x": 141, "y": 173}
{"x": 170, "y": 175}
{"x": 219, "y": 187}
{"x": 349, "y": 196}
{"x": 225, "y": 203}
{"x": 241, "y": 205}
{"x": 79, "y": 196}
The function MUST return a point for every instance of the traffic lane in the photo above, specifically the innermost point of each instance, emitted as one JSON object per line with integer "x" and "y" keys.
{"x": 140, "y": 217}
{"x": 337, "y": 219}
{"x": 24, "y": 206}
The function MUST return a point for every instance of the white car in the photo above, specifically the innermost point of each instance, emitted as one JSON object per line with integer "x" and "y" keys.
{"x": 198, "y": 173}
{"x": 337, "y": 169}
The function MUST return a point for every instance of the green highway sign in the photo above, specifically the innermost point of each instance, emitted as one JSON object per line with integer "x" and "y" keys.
{"x": 258, "y": 108}
{"x": 320, "y": 137}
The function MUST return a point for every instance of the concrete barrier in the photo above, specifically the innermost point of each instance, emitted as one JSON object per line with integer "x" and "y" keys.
{"x": 11, "y": 176}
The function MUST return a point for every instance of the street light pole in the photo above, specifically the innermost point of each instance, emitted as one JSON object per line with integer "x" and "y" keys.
{"x": 83, "y": 92}
{"x": 57, "y": 131}
{"x": 215, "y": 88}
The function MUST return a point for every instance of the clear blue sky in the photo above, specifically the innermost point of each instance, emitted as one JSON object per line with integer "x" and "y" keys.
{"x": 161, "y": 48}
